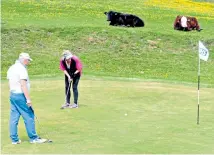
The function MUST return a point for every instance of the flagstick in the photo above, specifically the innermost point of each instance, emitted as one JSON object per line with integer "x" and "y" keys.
{"x": 198, "y": 88}
{"x": 203, "y": 53}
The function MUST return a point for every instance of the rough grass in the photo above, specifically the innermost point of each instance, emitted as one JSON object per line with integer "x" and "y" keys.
{"x": 156, "y": 51}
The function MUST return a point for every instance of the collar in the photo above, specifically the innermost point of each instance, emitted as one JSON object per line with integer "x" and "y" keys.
{"x": 19, "y": 62}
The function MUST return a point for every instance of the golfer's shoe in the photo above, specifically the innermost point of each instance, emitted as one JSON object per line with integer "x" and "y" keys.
{"x": 18, "y": 142}
{"x": 73, "y": 106}
{"x": 66, "y": 105}
{"x": 38, "y": 141}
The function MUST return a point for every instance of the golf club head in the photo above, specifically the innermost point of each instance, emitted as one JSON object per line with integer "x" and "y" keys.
{"x": 49, "y": 141}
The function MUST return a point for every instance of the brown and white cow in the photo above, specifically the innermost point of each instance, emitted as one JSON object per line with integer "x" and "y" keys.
{"x": 186, "y": 23}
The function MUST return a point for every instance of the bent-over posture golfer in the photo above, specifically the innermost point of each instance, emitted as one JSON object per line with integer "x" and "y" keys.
{"x": 72, "y": 68}
{"x": 20, "y": 101}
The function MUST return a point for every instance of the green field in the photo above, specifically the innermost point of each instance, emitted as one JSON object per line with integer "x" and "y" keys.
{"x": 138, "y": 92}
{"x": 161, "y": 118}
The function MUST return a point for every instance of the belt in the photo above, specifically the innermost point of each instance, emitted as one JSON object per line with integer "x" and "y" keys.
{"x": 16, "y": 92}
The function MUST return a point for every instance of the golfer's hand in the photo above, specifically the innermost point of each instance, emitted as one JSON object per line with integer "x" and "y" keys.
{"x": 70, "y": 79}
{"x": 29, "y": 104}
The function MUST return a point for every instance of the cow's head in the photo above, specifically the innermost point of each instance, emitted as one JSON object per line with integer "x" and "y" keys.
{"x": 193, "y": 23}
{"x": 110, "y": 15}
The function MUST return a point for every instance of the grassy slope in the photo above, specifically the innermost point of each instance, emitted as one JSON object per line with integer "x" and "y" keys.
{"x": 45, "y": 28}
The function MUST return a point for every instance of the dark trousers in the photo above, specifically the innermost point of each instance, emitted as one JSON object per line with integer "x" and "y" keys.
{"x": 74, "y": 88}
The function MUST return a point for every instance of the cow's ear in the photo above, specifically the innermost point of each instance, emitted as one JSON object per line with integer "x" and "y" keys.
{"x": 105, "y": 13}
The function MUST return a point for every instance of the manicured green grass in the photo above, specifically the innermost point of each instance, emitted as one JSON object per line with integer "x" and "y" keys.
{"x": 161, "y": 118}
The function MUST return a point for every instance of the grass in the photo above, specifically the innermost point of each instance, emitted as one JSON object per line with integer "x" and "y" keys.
{"x": 210, "y": 1}
{"x": 148, "y": 73}
{"x": 161, "y": 118}
{"x": 45, "y": 28}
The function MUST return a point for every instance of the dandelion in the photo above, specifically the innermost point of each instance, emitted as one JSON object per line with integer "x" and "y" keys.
{"x": 184, "y": 6}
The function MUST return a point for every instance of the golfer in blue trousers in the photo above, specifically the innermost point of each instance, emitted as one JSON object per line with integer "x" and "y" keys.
{"x": 20, "y": 101}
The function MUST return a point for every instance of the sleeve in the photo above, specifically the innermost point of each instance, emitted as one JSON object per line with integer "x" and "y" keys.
{"x": 23, "y": 74}
{"x": 61, "y": 66}
{"x": 8, "y": 73}
{"x": 78, "y": 64}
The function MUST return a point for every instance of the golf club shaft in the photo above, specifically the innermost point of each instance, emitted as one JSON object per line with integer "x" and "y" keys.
{"x": 38, "y": 122}
{"x": 69, "y": 87}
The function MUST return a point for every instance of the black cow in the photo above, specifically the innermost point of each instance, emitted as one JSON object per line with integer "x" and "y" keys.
{"x": 121, "y": 19}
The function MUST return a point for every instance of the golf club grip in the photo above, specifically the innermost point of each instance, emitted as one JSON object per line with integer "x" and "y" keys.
{"x": 69, "y": 87}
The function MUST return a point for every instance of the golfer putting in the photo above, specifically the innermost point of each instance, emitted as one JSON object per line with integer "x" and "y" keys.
{"x": 72, "y": 69}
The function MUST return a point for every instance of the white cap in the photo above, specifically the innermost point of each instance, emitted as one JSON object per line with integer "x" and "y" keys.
{"x": 25, "y": 56}
{"x": 68, "y": 56}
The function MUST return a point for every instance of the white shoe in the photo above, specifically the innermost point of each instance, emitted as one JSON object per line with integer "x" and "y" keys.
{"x": 18, "y": 142}
{"x": 66, "y": 105}
{"x": 38, "y": 140}
{"x": 73, "y": 106}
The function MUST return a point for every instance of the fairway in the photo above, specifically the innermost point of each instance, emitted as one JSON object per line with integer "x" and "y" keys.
{"x": 117, "y": 116}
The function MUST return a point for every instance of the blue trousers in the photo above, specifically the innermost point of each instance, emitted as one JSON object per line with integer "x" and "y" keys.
{"x": 18, "y": 107}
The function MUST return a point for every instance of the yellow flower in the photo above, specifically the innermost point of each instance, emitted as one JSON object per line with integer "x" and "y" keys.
{"x": 184, "y": 6}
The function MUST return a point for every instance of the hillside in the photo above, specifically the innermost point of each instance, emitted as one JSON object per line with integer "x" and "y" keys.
{"x": 156, "y": 51}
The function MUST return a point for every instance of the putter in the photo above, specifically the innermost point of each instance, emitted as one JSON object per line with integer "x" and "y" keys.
{"x": 48, "y": 140}
{"x": 69, "y": 86}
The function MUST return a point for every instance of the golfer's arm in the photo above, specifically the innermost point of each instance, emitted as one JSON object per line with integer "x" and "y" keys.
{"x": 66, "y": 73}
{"x": 25, "y": 89}
{"x": 77, "y": 71}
